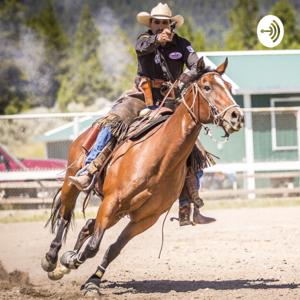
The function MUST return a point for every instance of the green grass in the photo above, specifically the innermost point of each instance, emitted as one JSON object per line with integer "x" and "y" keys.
{"x": 42, "y": 216}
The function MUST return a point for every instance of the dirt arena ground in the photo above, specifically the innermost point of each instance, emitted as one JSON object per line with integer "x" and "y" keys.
{"x": 251, "y": 253}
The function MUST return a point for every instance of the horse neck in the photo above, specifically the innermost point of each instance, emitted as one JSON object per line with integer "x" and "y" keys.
{"x": 182, "y": 128}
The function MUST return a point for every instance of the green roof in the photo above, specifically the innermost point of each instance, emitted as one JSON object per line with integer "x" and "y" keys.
{"x": 67, "y": 131}
{"x": 261, "y": 72}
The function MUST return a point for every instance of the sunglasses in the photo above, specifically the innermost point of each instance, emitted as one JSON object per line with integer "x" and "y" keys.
{"x": 163, "y": 22}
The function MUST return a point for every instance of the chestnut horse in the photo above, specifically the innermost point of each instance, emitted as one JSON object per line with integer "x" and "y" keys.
{"x": 144, "y": 178}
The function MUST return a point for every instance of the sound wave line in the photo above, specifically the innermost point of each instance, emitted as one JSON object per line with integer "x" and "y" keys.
{"x": 274, "y": 31}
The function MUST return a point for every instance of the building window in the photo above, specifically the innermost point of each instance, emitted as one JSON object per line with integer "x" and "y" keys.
{"x": 284, "y": 124}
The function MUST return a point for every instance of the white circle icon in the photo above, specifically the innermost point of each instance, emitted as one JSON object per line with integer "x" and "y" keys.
{"x": 270, "y": 31}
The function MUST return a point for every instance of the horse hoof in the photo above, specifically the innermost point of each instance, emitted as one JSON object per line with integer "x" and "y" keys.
{"x": 90, "y": 290}
{"x": 47, "y": 265}
{"x": 58, "y": 273}
{"x": 68, "y": 260}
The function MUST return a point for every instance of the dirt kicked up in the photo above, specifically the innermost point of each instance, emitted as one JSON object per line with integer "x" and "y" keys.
{"x": 247, "y": 254}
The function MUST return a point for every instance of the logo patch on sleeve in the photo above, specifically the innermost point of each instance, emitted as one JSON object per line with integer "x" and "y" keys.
{"x": 190, "y": 49}
{"x": 157, "y": 59}
{"x": 175, "y": 55}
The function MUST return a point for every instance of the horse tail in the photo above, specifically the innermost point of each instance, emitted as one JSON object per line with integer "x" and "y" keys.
{"x": 55, "y": 218}
{"x": 56, "y": 204}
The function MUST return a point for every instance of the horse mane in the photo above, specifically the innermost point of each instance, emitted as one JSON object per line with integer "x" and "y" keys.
{"x": 197, "y": 75}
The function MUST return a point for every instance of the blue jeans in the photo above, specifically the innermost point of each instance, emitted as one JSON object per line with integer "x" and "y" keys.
{"x": 103, "y": 138}
{"x": 185, "y": 201}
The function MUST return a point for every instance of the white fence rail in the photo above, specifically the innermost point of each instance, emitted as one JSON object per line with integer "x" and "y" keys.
{"x": 49, "y": 135}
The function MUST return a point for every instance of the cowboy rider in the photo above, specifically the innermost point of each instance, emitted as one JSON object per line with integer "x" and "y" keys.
{"x": 161, "y": 55}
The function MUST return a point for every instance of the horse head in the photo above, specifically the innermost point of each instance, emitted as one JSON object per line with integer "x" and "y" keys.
{"x": 212, "y": 99}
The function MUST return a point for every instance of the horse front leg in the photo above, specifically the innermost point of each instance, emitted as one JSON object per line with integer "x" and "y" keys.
{"x": 64, "y": 203}
{"x": 86, "y": 231}
{"x": 105, "y": 218}
{"x": 92, "y": 285}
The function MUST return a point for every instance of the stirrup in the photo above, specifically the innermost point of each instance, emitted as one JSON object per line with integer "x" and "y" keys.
{"x": 87, "y": 189}
{"x": 79, "y": 172}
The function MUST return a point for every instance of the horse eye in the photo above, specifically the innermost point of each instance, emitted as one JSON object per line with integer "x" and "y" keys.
{"x": 207, "y": 88}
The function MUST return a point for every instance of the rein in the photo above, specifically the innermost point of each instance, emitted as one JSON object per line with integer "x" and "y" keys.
{"x": 217, "y": 116}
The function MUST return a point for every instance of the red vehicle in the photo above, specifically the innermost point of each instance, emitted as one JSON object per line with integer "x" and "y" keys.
{"x": 10, "y": 187}
{"x": 9, "y": 162}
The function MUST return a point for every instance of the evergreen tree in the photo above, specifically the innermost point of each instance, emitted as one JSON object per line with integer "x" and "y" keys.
{"x": 13, "y": 94}
{"x": 125, "y": 78}
{"x": 55, "y": 43}
{"x": 286, "y": 13}
{"x": 50, "y": 31}
{"x": 12, "y": 14}
{"x": 12, "y": 89}
{"x": 243, "y": 19}
{"x": 196, "y": 37}
{"x": 83, "y": 82}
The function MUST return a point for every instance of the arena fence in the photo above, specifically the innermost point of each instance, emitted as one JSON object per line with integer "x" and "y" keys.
{"x": 262, "y": 160}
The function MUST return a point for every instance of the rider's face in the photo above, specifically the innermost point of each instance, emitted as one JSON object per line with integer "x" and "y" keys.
{"x": 158, "y": 25}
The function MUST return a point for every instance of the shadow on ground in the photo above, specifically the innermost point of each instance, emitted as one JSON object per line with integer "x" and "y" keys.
{"x": 166, "y": 286}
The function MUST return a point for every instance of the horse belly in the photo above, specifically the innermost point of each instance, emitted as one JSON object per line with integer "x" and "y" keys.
{"x": 162, "y": 198}
{"x": 144, "y": 181}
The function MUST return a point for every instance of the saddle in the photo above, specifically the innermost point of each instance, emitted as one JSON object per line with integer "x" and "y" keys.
{"x": 139, "y": 128}
{"x": 147, "y": 122}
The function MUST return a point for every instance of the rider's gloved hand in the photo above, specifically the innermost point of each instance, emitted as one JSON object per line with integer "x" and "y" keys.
{"x": 165, "y": 36}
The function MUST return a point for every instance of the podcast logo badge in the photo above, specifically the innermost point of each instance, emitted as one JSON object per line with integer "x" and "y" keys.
{"x": 270, "y": 31}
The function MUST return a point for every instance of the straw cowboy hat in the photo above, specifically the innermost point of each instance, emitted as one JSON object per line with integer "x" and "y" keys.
{"x": 160, "y": 11}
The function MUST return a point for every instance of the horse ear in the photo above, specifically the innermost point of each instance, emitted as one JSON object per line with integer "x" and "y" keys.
{"x": 200, "y": 65}
{"x": 221, "y": 68}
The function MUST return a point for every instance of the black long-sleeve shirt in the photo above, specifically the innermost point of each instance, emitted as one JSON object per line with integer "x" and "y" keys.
{"x": 177, "y": 53}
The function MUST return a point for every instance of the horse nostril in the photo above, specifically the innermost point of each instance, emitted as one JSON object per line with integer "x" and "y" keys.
{"x": 233, "y": 115}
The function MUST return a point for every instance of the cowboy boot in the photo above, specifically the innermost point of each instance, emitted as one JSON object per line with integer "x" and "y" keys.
{"x": 192, "y": 189}
{"x": 82, "y": 182}
{"x": 198, "y": 218}
{"x": 184, "y": 215}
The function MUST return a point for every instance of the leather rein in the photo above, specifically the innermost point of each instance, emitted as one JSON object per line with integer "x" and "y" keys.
{"x": 217, "y": 116}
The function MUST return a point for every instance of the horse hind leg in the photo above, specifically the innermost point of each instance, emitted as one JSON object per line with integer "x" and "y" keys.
{"x": 92, "y": 285}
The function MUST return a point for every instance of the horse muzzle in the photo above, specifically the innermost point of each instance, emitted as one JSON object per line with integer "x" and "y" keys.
{"x": 233, "y": 120}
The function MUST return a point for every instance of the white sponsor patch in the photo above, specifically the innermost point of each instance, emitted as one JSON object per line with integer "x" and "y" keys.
{"x": 175, "y": 55}
{"x": 190, "y": 49}
{"x": 157, "y": 59}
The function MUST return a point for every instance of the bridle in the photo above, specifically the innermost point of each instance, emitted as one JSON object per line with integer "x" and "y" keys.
{"x": 218, "y": 117}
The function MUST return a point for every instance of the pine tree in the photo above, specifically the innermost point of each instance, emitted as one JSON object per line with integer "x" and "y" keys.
{"x": 50, "y": 31}
{"x": 12, "y": 89}
{"x": 12, "y": 14}
{"x": 13, "y": 96}
{"x": 243, "y": 19}
{"x": 56, "y": 43}
{"x": 83, "y": 81}
{"x": 124, "y": 80}
{"x": 286, "y": 13}
{"x": 196, "y": 37}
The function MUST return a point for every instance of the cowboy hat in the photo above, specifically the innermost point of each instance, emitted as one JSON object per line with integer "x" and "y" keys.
{"x": 160, "y": 11}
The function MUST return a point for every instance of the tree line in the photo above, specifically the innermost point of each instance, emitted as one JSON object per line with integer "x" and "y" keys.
{"x": 45, "y": 63}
